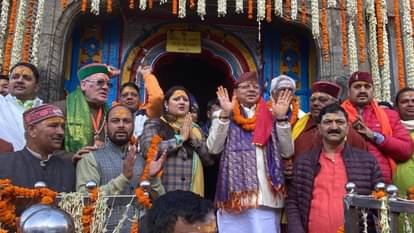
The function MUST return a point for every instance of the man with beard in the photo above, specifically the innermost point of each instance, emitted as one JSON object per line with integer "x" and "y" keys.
{"x": 24, "y": 82}
{"x": 85, "y": 109}
{"x": 249, "y": 191}
{"x": 305, "y": 132}
{"x": 386, "y": 137}
{"x": 115, "y": 167}
{"x": 37, "y": 161}
{"x": 316, "y": 191}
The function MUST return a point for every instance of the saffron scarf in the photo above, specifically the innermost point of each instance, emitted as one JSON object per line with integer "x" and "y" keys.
{"x": 381, "y": 116}
{"x": 78, "y": 128}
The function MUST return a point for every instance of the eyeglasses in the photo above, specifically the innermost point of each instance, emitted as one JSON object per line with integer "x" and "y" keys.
{"x": 100, "y": 83}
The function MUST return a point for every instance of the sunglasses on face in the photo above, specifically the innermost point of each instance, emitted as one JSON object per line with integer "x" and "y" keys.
{"x": 100, "y": 83}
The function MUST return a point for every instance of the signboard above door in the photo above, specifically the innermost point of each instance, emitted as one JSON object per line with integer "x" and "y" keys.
{"x": 183, "y": 42}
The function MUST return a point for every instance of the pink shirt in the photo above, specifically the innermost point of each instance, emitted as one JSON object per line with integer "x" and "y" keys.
{"x": 326, "y": 212}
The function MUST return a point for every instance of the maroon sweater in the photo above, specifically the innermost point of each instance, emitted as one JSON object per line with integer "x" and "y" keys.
{"x": 361, "y": 168}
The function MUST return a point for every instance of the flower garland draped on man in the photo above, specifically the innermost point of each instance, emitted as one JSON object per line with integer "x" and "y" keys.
{"x": 253, "y": 141}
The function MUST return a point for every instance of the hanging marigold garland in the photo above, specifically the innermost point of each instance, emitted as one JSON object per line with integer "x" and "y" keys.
{"x": 385, "y": 70}
{"x": 9, "y": 41}
{"x": 109, "y": 6}
{"x": 9, "y": 193}
{"x": 278, "y": 7}
{"x": 95, "y": 4}
{"x": 131, "y": 4}
{"x": 250, "y": 9}
{"x": 304, "y": 13}
{"x": 182, "y": 4}
{"x": 325, "y": 33}
{"x": 344, "y": 37}
{"x": 268, "y": 11}
{"x": 398, "y": 44}
{"x": 134, "y": 227}
{"x": 18, "y": 33}
{"x": 294, "y": 9}
{"x": 239, "y": 7}
{"x": 361, "y": 32}
{"x": 201, "y": 8}
{"x": 142, "y": 4}
{"x": 88, "y": 210}
{"x": 315, "y": 18}
{"x": 36, "y": 33}
{"x": 84, "y": 5}
{"x": 192, "y": 4}
{"x": 27, "y": 38}
{"x": 5, "y": 7}
{"x": 353, "y": 53}
{"x": 380, "y": 32}
{"x": 150, "y": 4}
{"x": 373, "y": 51}
{"x": 174, "y": 7}
{"x": 142, "y": 198}
{"x": 408, "y": 43}
{"x": 411, "y": 4}
{"x": 221, "y": 8}
{"x": 261, "y": 11}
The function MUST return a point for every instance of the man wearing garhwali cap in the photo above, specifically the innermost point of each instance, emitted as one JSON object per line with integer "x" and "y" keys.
{"x": 44, "y": 130}
{"x": 253, "y": 140}
{"x": 382, "y": 130}
{"x": 305, "y": 132}
{"x": 23, "y": 84}
{"x": 86, "y": 108}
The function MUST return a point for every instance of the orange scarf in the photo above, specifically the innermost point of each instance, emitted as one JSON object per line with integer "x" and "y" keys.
{"x": 382, "y": 117}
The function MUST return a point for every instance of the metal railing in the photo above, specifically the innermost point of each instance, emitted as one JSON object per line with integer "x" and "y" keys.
{"x": 354, "y": 203}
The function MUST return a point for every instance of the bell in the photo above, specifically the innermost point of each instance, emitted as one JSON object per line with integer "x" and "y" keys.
{"x": 41, "y": 218}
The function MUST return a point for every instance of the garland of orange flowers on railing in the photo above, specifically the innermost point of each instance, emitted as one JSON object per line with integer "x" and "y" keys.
{"x": 27, "y": 38}
{"x": 250, "y": 9}
{"x": 303, "y": 13}
{"x": 378, "y": 194}
{"x": 411, "y": 193}
{"x": 131, "y": 4}
{"x": 268, "y": 11}
{"x": 84, "y": 5}
{"x": 325, "y": 33}
{"x": 88, "y": 210}
{"x": 134, "y": 227}
{"x": 9, "y": 193}
{"x": 361, "y": 32}
{"x": 247, "y": 124}
{"x": 344, "y": 37}
{"x": 398, "y": 45}
{"x": 380, "y": 32}
{"x": 10, "y": 35}
{"x": 143, "y": 199}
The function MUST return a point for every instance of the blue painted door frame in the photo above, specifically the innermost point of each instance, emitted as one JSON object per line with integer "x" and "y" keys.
{"x": 273, "y": 57}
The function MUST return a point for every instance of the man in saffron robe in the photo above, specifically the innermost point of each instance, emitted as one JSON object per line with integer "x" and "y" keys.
{"x": 85, "y": 109}
{"x": 252, "y": 141}
{"x": 37, "y": 161}
{"x": 386, "y": 137}
{"x": 305, "y": 132}
{"x": 24, "y": 83}
{"x": 116, "y": 168}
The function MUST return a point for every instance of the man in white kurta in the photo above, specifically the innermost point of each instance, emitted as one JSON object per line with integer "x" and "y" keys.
{"x": 24, "y": 82}
{"x": 249, "y": 188}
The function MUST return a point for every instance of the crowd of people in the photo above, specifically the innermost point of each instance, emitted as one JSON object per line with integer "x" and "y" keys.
{"x": 278, "y": 169}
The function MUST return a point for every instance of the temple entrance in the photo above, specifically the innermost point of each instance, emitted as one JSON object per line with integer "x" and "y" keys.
{"x": 201, "y": 74}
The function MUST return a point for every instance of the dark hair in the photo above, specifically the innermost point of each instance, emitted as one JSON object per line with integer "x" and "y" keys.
{"x": 130, "y": 84}
{"x": 163, "y": 215}
{"x": 32, "y": 67}
{"x": 5, "y": 77}
{"x": 331, "y": 108}
{"x": 212, "y": 102}
{"x": 386, "y": 104}
{"x": 115, "y": 106}
{"x": 400, "y": 92}
{"x": 168, "y": 95}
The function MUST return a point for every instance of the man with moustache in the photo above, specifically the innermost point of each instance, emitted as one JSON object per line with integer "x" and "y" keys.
{"x": 305, "y": 132}
{"x": 316, "y": 191}
{"x": 23, "y": 85}
{"x": 386, "y": 137}
{"x": 252, "y": 141}
{"x": 37, "y": 161}
{"x": 86, "y": 108}
{"x": 116, "y": 168}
